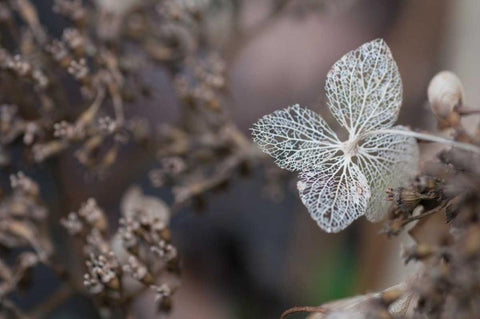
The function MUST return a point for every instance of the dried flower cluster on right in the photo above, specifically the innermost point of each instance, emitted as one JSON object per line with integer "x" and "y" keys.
{"x": 440, "y": 211}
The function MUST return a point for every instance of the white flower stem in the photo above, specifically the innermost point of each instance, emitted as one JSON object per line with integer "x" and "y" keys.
{"x": 432, "y": 138}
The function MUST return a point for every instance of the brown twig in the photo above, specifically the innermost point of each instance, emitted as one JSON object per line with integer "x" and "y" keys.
{"x": 63, "y": 293}
{"x": 291, "y": 311}
{"x": 432, "y": 211}
{"x": 13, "y": 309}
{"x": 423, "y": 215}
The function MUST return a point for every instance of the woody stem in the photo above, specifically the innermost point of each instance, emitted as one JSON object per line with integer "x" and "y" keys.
{"x": 428, "y": 137}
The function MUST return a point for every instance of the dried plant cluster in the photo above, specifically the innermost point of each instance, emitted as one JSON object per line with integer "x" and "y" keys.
{"x": 137, "y": 256}
{"x": 439, "y": 210}
{"x": 69, "y": 93}
{"x": 100, "y": 64}
{"x": 340, "y": 181}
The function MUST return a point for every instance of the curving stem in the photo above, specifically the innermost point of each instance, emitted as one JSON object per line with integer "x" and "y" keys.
{"x": 428, "y": 137}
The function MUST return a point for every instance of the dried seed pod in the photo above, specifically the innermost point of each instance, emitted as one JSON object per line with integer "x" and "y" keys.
{"x": 391, "y": 295}
{"x": 426, "y": 183}
{"x": 403, "y": 198}
{"x": 445, "y": 94}
{"x": 93, "y": 214}
{"x": 138, "y": 271}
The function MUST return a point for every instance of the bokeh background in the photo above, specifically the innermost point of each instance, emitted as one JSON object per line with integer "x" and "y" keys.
{"x": 244, "y": 255}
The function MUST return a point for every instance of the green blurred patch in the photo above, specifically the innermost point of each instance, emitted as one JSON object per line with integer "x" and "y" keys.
{"x": 333, "y": 277}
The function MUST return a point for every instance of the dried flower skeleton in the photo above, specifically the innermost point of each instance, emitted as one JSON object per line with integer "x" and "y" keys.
{"x": 343, "y": 180}
{"x": 440, "y": 207}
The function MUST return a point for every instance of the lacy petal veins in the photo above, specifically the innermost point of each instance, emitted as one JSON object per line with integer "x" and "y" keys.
{"x": 343, "y": 180}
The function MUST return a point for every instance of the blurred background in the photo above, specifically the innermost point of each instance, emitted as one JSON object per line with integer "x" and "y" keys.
{"x": 245, "y": 254}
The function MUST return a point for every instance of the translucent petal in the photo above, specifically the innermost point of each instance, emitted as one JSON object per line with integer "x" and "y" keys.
{"x": 296, "y": 137}
{"x": 364, "y": 88}
{"x": 335, "y": 194}
{"x": 386, "y": 160}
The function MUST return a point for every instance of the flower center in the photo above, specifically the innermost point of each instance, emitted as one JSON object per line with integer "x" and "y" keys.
{"x": 350, "y": 148}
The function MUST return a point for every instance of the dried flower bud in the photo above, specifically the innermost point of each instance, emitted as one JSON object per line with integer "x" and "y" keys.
{"x": 173, "y": 165}
{"x": 59, "y": 52}
{"x": 67, "y": 131}
{"x": 74, "y": 40}
{"x": 72, "y": 223}
{"x": 79, "y": 69}
{"x": 95, "y": 242}
{"x": 405, "y": 199}
{"x": 107, "y": 125}
{"x": 20, "y": 66}
{"x": 40, "y": 79}
{"x": 146, "y": 210}
{"x": 391, "y": 295}
{"x": 8, "y": 113}
{"x": 126, "y": 231}
{"x": 93, "y": 214}
{"x": 445, "y": 93}
{"x": 72, "y": 9}
{"x": 157, "y": 177}
{"x": 163, "y": 297}
{"x": 138, "y": 271}
{"x": 102, "y": 272}
{"x": 20, "y": 182}
{"x": 426, "y": 183}
{"x": 164, "y": 250}
{"x": 31, "y": 131}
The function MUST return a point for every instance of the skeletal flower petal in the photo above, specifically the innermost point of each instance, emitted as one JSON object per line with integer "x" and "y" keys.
{"x": 364, "y": 88}
{"x": 296, "y": 137}
{"x": 341, "y": 181}
{"x": 386, "y": 160}
{"x": 335, "y": 194}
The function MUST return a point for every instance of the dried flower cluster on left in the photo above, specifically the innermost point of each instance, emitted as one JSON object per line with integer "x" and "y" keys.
{"x": 136, "y": 257}
{"x": 70, "y": 92}
{"x": 70, "y": 89}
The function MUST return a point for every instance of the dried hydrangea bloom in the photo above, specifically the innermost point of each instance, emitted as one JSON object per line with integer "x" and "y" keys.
{"x": 343, "y": 180}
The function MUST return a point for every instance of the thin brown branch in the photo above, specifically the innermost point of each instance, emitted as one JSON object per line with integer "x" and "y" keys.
{"x": 293, "y": 310}
{"x": 13, "y": 309}
{"x": 28, "y": 13}
{"x": 423, "y": 215}
{"x": 466, "y": 109}
{"x": 63, "y": 293}
{"x": 88, "y": 115}
{"x": 440, "y": 208}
